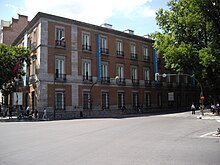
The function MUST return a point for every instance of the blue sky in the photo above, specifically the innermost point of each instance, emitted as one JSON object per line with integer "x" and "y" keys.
{"x": 137, "y": 15}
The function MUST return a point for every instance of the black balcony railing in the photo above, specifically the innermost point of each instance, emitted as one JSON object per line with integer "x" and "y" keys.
{"x": 87, "y": 47}
{"x": 60, "y": 77}
{"x": 134, "y": 56}
{"x": 104, "y": 51}
{"x": 147, "y": 82}
{"x": 105, "y": 80}
{"x": 120, "y": 53}
{"x": 60, "y": 43}
{"x": 87, "y": 79}
{"x": 135, "y": 82}
{"x": 121, "y": 81}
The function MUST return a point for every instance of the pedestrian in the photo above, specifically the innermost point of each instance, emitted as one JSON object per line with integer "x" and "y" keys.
{"x": 44, "y": 114}
{"x": 193, "y": 108}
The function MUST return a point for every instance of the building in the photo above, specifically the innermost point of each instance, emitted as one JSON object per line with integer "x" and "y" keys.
{"x": 11, "y": 29}
{"x": 76, "y": 66}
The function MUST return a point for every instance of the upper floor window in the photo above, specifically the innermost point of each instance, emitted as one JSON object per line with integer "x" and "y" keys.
{"x": 86, "y": 42}
{"x": 145, "y": 53}
{"x": 87, "y": 71}
{"x": 120, "y": 51}
{"x": 104, "y": 74}
{"x": 60, "y": 69}
{"x": 134, "y": 75}
{"x": 120, "y": 74}
{"x": 104, "y": 45}
{"x": 147, "y": 74}
{"x": 133, "y": 51}
{"x": 60, "y": 37}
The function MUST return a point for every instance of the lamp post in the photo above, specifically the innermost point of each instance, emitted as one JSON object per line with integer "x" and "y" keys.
{"x": 164, "y": 75}
{"x": 90, "y": 90}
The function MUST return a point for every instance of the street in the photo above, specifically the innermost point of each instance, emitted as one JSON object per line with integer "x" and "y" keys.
{"x": 178, "y": 139}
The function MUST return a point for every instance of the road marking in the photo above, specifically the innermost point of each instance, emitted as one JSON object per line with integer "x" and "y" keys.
{"x": 210, "y": 134}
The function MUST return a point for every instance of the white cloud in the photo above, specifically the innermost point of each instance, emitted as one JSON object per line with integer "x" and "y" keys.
{"x": 91, "y": 11}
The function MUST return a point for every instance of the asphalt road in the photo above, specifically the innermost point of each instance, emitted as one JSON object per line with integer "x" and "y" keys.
{"x": 177, "y": 139}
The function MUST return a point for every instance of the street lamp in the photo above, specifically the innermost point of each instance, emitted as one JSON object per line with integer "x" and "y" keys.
{"x": 90, "y": 90}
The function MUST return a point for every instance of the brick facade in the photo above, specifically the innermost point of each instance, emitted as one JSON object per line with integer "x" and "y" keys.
{"x": 71, "y": 73}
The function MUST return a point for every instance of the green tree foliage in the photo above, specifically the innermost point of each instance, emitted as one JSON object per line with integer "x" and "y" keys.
{"x": 189, "y": 40}
{"x": 12, "y": 60}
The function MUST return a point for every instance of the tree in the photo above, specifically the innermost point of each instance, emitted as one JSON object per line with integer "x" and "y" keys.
{"x": 189, "y": 40}
{"x": 12, "y": 60}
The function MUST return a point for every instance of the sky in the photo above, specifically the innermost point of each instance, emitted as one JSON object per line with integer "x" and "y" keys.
{"x": 137, "y": 15}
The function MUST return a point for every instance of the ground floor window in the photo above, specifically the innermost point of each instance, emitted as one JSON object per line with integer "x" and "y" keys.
{"x": 121, "y": 99}
{"x": 135, "y": 99}
{"x": 60, "y": 100}
{"x": 86, "y": 100}
{"x": 105, "y": 100}
{"x": 159, "y": 99}
{"x": 147, "y": 99}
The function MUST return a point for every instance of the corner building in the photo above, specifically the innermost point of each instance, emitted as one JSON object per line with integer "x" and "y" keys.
{"x": 76, "y": 66}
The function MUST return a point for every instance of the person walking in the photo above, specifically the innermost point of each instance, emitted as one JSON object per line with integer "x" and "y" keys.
{"x": 193, "y": 108}
{"x": 44, "y": 114}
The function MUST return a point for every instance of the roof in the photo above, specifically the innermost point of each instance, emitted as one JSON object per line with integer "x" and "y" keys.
{"x": 79, "y": 23}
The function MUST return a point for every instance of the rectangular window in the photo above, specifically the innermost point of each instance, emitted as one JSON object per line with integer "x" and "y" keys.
{"x": 60, "y": 38}
{"x": 120, "y": 51}
{"x": 86, "y": 42}
{"x": 33, "y": 67}
{"x": 147, "y": 99}
{"x": 104, "y": 45}
{"x": 147, "y": 76}
{"x": 86, "y": 100}
{"x": 104, "y": 74}
{"x": 135, "y": 98}
{"x": 133, "y": 51}
{"x": 145, "y": 52}
{"x": 120, "y": 71}
{"x": 87, "y": 71}
{"x": 121, "y": 99}
{"x": 159, "y": 99}
{"x": 60, "y": 68}
{"x": 60, "y": 100}
{"x": 105, "y": 100}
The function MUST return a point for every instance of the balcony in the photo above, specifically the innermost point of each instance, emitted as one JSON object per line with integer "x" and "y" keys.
{"x": 146, "y": 58}
{"x": 134, "y": 56}
{"x": 60, "y": 43}
{"x": 87, "y": 79}
{"x": 135, "y": 82}
{"x": 60, "y": 77}
{"x": 147, "y": 83}
{"x": 104, "y": 51}
{"x": 105, "y": 80}
{"x": 120, "y": 53}
{"x": 87, "y": 48}
{"x": 121, "y": 81}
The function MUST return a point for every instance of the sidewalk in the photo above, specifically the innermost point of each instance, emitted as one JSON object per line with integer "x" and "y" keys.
{"x": 209, "y": 116}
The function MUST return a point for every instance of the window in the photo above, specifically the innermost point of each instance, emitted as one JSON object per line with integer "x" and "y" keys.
{"x": 135, "y": 98}
{"x": 134, "y": 75}
{"x": 104, "y": 46}
{"x": 145, "y": 52}
{"x": 120, "y": 74}
{"x": 86, "y": 100}
{"x": 87, "y": 71}
{"x": 60, "y": 38}
{"x": 33, "y": 66}
{"x": 133, "y": 51}
{"x": 60, "y": 68}
{"x": 86, "y": 42}
{"x": 104, "y": 77}
{"x": 159, "y": 99}
{"x": 120, "y": 51}
{"x": 147, "y": 75}
{"x": 33, "y": 46}
{"x": 105, "y": 100}
{"x": 147, "y": 99}
{"x": 121, "y": 99}
{"x": 60, "y": 100}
